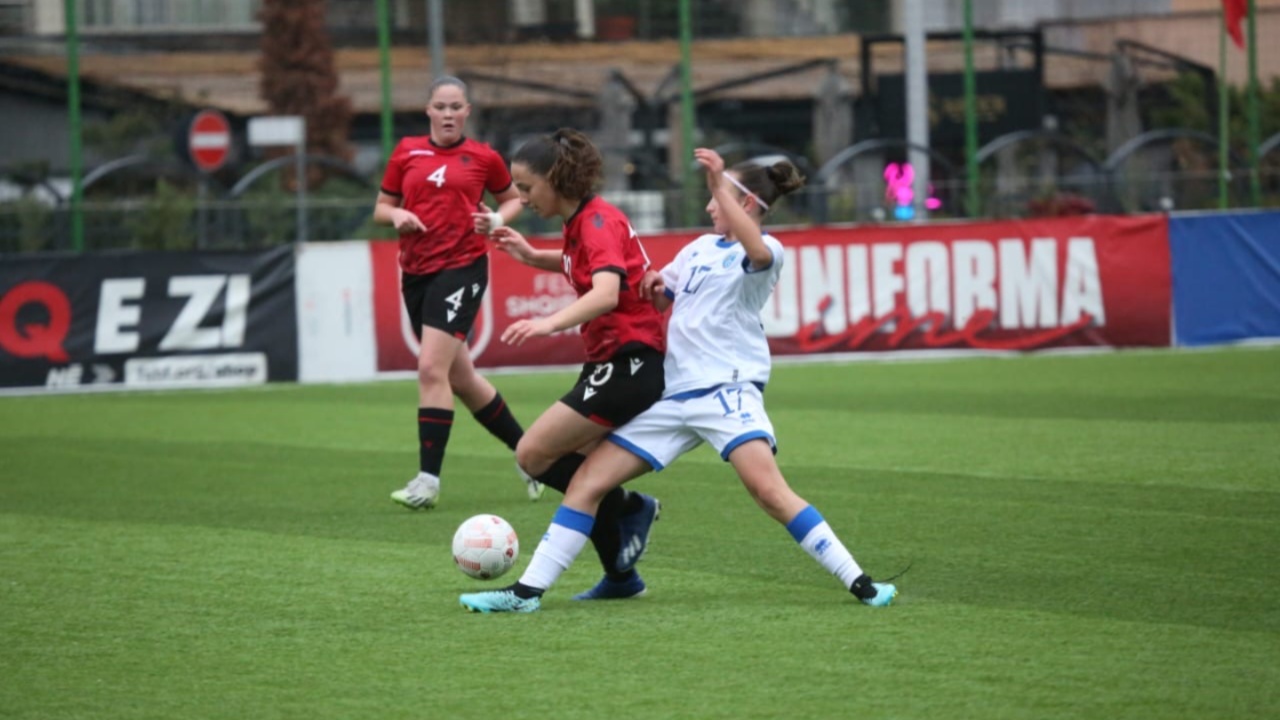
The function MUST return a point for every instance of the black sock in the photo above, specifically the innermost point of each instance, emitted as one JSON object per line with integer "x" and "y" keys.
{"x": 862, "y": 587}
{"x": 434, "y": 425}
{"x": 606, "y": 538}
{"x": 496, "y": 417}
{"x": 561, "y": 471}
{"x": 631, "y": 502}
{"x": 525, "y": 591}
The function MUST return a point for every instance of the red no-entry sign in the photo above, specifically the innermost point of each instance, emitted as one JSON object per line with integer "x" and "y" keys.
{"x": 209, "y": 140}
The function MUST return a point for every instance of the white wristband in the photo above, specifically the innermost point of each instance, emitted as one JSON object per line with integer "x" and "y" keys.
{"x": 495, "y": 221}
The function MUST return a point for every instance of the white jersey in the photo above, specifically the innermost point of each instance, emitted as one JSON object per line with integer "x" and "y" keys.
{"x": 715, "y": 335}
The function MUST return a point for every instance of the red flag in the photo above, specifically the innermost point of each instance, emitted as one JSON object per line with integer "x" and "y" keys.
{"x": 1233, "y": 11}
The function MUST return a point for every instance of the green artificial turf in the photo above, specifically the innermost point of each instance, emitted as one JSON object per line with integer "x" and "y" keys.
{"x": 1090, "y": 537}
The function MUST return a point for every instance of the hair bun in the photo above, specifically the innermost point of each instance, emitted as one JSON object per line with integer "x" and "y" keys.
{"x": 785, "y": 176}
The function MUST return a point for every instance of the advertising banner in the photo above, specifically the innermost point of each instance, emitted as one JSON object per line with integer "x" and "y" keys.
{"x": 1226, "y": 273}
{"x": 151, "y": 319}
{"x": 1016, "y": 285}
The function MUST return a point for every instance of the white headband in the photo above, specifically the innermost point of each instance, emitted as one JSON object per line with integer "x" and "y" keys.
{"x": 745, "y": 191}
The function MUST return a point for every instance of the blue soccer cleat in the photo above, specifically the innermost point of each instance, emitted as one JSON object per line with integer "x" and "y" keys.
{"x": 608, "y": 589}
{"x": 494, "y": 601}
{"x": 885, "y": 593}
{"x": 634, "y": 528}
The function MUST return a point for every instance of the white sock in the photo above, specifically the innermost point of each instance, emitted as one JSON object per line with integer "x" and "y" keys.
{"x": 569, "y": 532}
{"x": 820, "y": 541}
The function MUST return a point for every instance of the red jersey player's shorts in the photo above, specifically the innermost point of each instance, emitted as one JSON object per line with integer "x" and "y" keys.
{"x": 611, "y": 392}
{"x": 448, "y": 300}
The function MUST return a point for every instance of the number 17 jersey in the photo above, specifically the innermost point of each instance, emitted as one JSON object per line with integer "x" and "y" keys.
{"x": 715, "y": 335}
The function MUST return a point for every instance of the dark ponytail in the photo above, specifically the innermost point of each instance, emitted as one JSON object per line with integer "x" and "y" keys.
{"x": 567, "y": 159}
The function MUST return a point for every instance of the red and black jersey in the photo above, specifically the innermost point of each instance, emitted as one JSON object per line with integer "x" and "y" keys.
{"x": 443, "y": 186}
{"x": 599, "y": 238}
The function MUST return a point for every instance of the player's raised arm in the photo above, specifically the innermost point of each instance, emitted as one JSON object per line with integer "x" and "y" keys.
{"x": 742, "y": 226}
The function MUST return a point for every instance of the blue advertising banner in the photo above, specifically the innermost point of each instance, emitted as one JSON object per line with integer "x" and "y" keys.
{"x": 1226, "y": 277}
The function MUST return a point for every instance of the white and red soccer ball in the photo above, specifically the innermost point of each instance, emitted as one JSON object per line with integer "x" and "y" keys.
{"x": 485, "y": 547}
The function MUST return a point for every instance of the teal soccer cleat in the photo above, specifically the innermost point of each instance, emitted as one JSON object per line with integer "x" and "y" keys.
{"x": 608, "y": 589}
{"x": 495, "y": 601}
{"x": 885, "y": 593}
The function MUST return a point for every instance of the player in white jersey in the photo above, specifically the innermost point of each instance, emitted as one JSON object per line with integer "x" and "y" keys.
{"x": 716, "y": 367}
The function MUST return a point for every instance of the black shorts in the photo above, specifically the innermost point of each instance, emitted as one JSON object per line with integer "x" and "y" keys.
{"x": 614, "y": 391}
{"x": 448, "y": 300}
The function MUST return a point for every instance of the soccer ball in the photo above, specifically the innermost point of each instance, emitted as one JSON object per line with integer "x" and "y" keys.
{"x": 485, "y": 547}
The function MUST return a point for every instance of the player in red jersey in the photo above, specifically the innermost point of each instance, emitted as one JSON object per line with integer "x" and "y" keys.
{"x": 602, "y": 256}
{"x": 431, "y": 193}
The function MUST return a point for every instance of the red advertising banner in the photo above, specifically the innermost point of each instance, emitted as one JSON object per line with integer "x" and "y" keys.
{"x": 1017, "y": 285}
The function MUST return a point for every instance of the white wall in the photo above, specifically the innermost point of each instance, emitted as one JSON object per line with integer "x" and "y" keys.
{"x": 336, "y": 341}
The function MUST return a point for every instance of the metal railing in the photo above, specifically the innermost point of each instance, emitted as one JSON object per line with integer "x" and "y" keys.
{"x": 179, "y": 222}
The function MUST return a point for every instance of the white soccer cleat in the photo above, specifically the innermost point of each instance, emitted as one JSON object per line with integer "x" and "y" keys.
{"x": 533, "y": 487}
{"x": 421, "y": 492}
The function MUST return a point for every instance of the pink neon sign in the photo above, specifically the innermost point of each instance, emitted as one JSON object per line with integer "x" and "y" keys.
{"x": 899, "y": 179}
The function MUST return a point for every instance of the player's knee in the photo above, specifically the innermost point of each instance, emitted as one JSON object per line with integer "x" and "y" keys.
{"x": 431, "y": 374}
{"x": 531, "y": 458}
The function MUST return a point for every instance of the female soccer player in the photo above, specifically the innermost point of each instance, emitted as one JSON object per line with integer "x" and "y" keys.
{"x": 431, "y": 193}
{"x": 717, "y": 364}
{"x": 602, "y": 257}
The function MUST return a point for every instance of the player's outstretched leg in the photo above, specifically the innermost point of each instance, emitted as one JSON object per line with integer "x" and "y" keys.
{"x": 420, "y": 493}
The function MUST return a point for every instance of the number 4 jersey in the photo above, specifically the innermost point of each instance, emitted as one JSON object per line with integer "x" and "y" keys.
{"x": 443, "y": 186}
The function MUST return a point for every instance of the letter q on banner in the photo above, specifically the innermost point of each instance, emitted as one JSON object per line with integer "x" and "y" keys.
{"x": 35, "y": 340}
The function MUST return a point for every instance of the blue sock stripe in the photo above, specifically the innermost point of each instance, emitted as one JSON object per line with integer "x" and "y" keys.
{"x": 800, "y": 525}
{"x": 575, "y": 520}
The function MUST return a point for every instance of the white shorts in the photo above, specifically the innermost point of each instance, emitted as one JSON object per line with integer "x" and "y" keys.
{"x": 725, "y": 416}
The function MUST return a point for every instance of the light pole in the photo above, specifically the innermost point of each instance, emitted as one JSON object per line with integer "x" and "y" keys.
{"x": 917, "y": 103}
{"x": 435, "y": 35}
